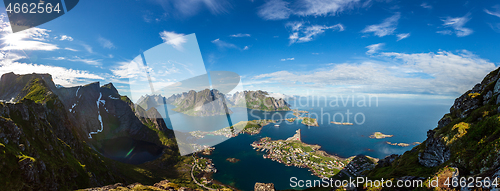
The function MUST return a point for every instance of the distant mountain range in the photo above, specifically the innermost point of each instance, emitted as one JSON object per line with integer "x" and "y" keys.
{"x": 212, "y": 102}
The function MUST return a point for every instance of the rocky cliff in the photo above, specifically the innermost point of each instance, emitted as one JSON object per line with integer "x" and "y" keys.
{"x": 467, "y": 139}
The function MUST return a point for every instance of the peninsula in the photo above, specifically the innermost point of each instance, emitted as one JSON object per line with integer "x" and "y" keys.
{"x": 293, "y": 152}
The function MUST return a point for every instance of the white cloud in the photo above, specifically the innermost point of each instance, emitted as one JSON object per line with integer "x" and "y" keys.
{"x": 191, "y": 7}
{"x": 494, "y": 13}
{"x": 323, "y": 7}
{"x": 372, "y": 49}
{"x": 157, "y": 71}
{"x": 70, "y": 49}
{"x": 223, "y": 45}
{"x": 64, "y": 37}
{"x": 402, "y": 36}
{"x": 279, "y": 9}
{"x": 128, "y": 69}
{"x": 457, "y": 23}
{"x": 87, "y": 48}
{"x": 285, "y": 59}
{"x": 440, "y": 73}
{"x": 301, "y": 33}
{"x": 240, "y": 35}
{"x": 174, "y": 39}
{"x": 274, "y": 10}
{"x": 445, "y": 32}
{"x": 92, "y": 62}
{"x": 29, "y": 39}
{"x": 387, "y": 27}
{"x": 105, "y": 43}
{"x": 426, "y": 6}
{"x": 60, "y": 75}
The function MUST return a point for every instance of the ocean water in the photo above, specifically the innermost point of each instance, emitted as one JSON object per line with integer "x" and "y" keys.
{"x": 408, "y": 120}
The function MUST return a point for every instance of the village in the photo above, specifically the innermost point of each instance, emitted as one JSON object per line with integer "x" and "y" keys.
{"x": 292, "y": 152}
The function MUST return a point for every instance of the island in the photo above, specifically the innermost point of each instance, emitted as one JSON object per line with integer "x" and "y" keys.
{"x": 310, "y": 121}
{"x": 293, "y": 152}
{"x": 249, "y": 127}
{"x": 402, "y": 144}
{"x": 233, "y": 160}
{"x": 305, "y": 120}
{"x": 339, "y": 123}
{"x": 379, "y": 135}
{"x": 298, "y": 112}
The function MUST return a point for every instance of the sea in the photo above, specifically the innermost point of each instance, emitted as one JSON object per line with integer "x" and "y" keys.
{"x": 407, "y": 119}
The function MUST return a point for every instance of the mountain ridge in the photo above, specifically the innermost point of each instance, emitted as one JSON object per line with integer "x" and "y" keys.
{"x": 466, "y": 139}
{"x": 44, "y": 140}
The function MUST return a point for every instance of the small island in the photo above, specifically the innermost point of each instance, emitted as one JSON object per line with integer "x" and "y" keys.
{"x": 339, "y": 123}
{"x": 305, "y": 120}
{"x": 233, "y": 160}
{"x": 379, "y": 135}
{"x": 402, "y": 144}
{"x": 309, "y": 121}
{"x": 293, "y": 152}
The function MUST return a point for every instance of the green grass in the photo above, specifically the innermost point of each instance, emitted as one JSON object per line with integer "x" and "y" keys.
{"x": 37, "y": 91}
{"x": 125, "y": 99}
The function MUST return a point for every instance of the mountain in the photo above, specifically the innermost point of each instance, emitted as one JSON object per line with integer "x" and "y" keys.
{"x": 259, "y": 100}
{"x": 203, "y": 103}
{"x": 149, "y": 101}
{"x": 466, "y": 140}
{"x": 92, "y": 108}
{"x": 57, "y": 138}
{"x": 211, "y": 102}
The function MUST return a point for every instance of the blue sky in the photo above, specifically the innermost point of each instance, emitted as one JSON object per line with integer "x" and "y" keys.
{"x": 389, "y": 48}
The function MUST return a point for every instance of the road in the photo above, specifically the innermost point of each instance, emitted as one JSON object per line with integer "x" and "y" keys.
{"x": 194, "y": 179}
